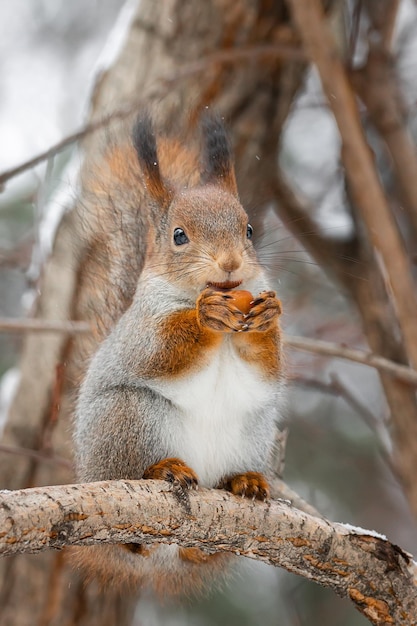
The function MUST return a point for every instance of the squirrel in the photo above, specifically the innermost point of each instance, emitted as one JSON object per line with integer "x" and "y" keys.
{"x": 186, "y": 387}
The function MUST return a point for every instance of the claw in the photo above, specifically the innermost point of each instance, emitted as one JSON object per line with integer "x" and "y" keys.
{"x": 251, "y": 485}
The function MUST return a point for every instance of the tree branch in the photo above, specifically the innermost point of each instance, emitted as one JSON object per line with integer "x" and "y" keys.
{"x": 376, "y": 575}
{"x": 360, "y": 170}
{"x": 327, "y": 348}
{"x": 37, "y": 455}
{"x": 64, "y": 143}
{"x": 26, "y": 325}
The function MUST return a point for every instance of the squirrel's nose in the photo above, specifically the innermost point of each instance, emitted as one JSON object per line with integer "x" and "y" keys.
{"x": 229, "y": 263}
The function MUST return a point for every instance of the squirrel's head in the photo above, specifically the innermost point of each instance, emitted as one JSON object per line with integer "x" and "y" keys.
{"x": 202, "y": 235}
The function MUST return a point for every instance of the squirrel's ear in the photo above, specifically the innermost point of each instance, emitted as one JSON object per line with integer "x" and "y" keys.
{"x": 144, "y": 142}
{"x": 217, "y": 154}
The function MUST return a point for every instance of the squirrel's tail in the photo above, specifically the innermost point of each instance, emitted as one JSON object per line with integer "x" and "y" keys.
{"x": 115, "y": 229}
{"x": 113, "y": 226}
{"x": 161, "y": 569}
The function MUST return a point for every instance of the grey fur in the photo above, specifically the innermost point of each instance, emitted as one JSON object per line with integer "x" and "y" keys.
{"x": 124, "y": 422}
{"x": 218, "y": 417}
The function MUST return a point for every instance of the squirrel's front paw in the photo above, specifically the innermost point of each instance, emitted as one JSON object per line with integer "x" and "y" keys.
{"x": 174, "y": 471}
{"x": 216, "y": 310}
{"x": 248, "y": 485}
{"x": 263, "y": 313}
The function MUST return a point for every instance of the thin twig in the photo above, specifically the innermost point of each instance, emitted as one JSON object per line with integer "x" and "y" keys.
{"x": 354, "y": 33}
{"x": 247, "y": 53}
{"x": 36, "y": 455}
{"x": 39, "y": 325}
{"x": 384, "y": 18}
{"x": 336, "y": 387}
{"x": 64, "y": 143}
{"x": 375, "y": 424}
{"x": 56, "y": 399}
{"x": 19, "y": 256}
{"x": 327, "y": 348}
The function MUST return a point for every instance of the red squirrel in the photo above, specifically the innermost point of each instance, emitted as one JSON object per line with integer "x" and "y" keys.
{"x": 187, "y": 386}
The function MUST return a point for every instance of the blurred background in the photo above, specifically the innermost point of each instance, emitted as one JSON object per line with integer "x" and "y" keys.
{"x": 338, "y": 446}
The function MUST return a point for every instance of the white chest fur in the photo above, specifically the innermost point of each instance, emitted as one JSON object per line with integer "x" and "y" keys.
{"x": 225, "y": 418}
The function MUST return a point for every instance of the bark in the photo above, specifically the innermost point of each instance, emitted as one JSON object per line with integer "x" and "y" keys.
{"x": 377, "y": 576}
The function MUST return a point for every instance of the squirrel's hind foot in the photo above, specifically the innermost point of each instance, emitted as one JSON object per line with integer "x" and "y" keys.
{"x": 248, "y": 485}
{"x": 173, "y": 470}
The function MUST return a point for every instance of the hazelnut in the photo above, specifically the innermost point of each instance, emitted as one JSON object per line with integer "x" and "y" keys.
{"x": 242, "y": 300}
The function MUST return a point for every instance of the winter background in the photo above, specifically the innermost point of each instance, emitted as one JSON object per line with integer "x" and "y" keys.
{"x": 48, "y": 60}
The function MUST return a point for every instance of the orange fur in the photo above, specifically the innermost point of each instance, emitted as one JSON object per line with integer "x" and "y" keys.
{"x": 103, "y": 565}
{"x": 172, "y": 470}
{"x": 261, "y": 343}
{"x": 189, "y": 336}
{"x": 248, "y": 485}
{"x": 136, "y": 548}
{"x": 262, "y": 349}
{"x": 187, "y": 345}
{"x": 195, "y": 555}
{"x": 120, "y": 166}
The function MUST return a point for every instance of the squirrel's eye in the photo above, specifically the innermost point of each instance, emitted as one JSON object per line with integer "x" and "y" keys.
{"x": 180, "y": 237}
{"x": 249, "y": 231}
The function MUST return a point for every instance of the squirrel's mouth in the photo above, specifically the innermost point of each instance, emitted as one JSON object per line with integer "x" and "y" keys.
{"x": 226, "y": 285}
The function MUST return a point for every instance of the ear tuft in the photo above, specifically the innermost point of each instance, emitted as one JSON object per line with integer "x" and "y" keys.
{"x": 218, "y": 155}
{"x": 144, "y": 142}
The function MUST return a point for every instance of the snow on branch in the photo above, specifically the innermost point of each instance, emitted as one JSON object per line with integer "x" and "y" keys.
{"x": 376, "y": 575}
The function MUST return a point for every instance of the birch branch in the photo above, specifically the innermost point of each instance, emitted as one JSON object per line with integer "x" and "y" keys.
{"x": 377, "y": 576}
